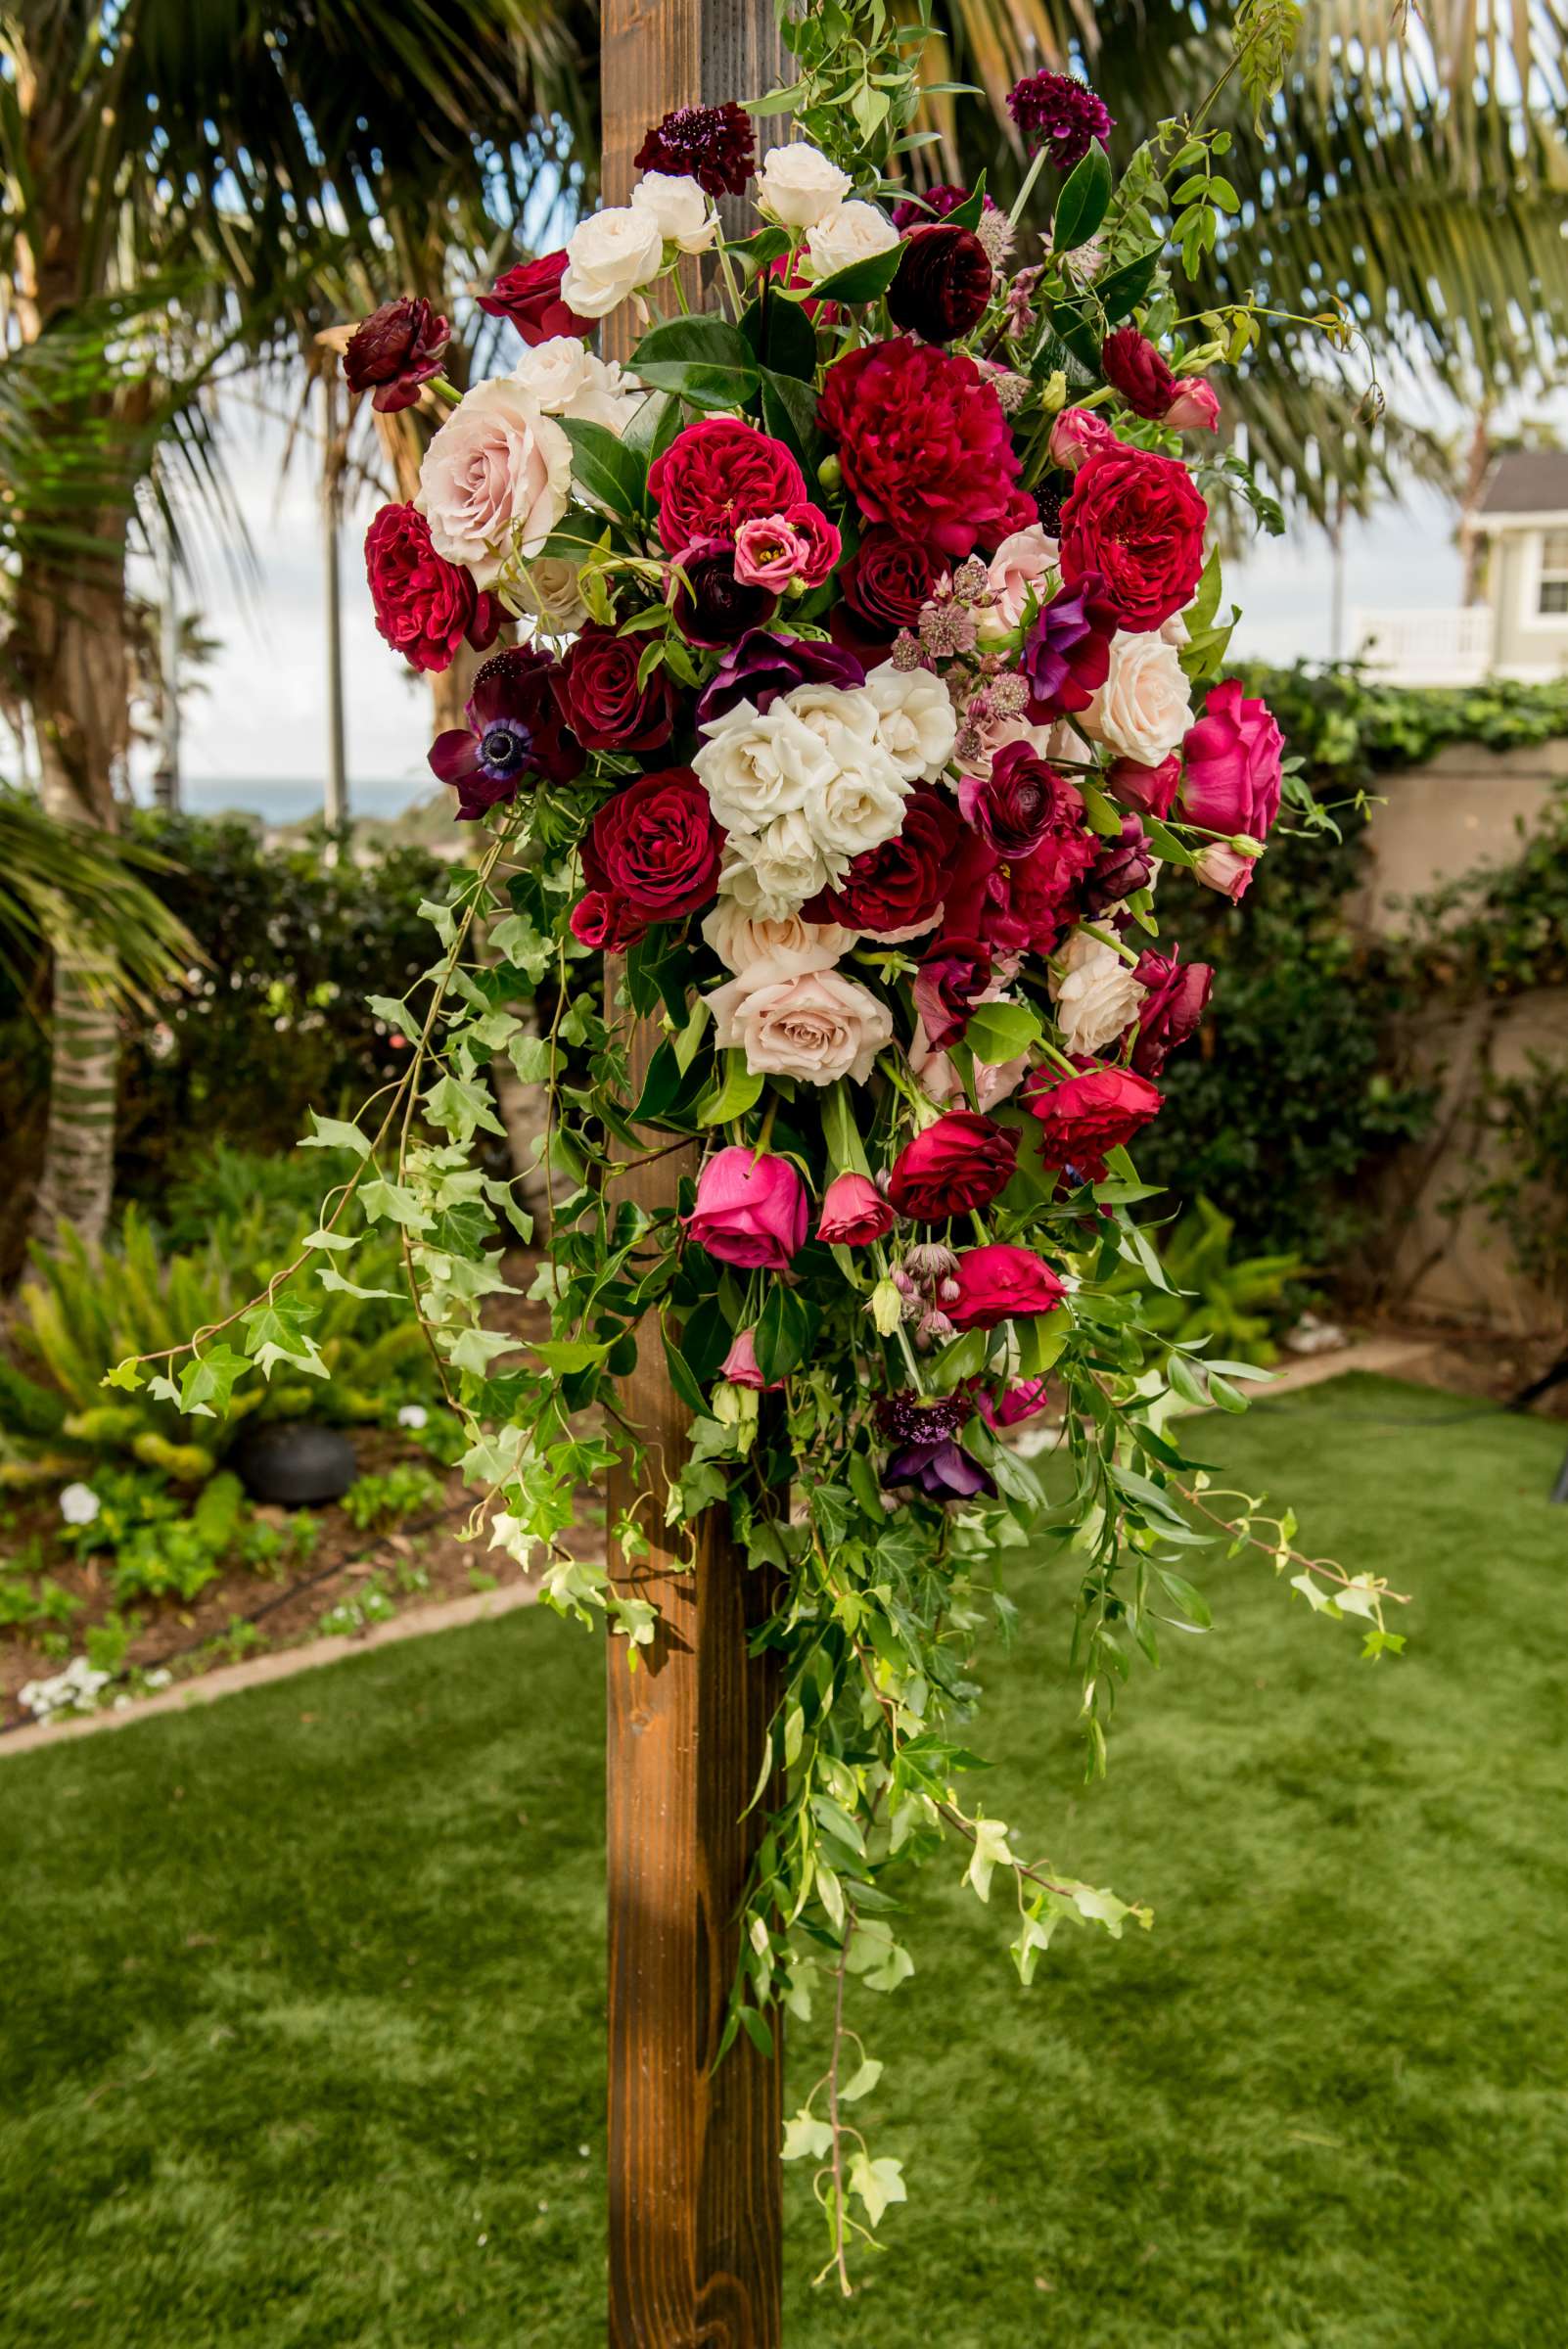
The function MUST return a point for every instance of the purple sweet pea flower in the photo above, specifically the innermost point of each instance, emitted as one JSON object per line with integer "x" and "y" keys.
{"x": 1067, "y": 657}
{"x": 762, "y": 666}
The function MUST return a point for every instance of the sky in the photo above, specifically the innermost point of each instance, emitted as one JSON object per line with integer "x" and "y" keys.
{"x": 255, "y": 738}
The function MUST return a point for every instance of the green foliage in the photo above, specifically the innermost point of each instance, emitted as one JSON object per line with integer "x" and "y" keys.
{"x": 1234, "y": 1305}
{"x": 403, "y": 1491}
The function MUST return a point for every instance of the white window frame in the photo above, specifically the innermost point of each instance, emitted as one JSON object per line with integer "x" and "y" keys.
{"x": 1533, "y": 573}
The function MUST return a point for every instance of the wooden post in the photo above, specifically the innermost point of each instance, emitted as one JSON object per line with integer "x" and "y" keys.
{"x": 694, "y": 2189}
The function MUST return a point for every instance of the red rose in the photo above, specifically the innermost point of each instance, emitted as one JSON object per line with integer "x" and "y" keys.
{"x": 1135, "y": 519}
{"x": 718, "y": 473}
{"x": 395, "y": 353}
{"x": 900, "y": 884}
{"x": 424, "y": 605}
{"x": 1232, "y": 763}
{"x": 1021, "y": 803}
{"x": 655, "y": 847}
{"x": 530, "y": 296}
{"x": 601, "y": 700}
{"x": 958, "y": 1164}
{"x": 605, "y": 923}
{"x": 1170, "y": 1011}
{"x": 1084, "y": 1116}
{"x": 1151, "y": 790}
{"x": 949, "y": 986}
{"x": 996, "y": 1283}
{"x": 884, "y": 584}
{"x": 944, "y": 282}
{"x": 1131, "y": 366}
{"x": 923, "y": 443}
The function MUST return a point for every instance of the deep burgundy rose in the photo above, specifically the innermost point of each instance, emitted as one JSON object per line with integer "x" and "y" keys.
{"x": 393, "y": 354}
{"x": 718, "y": 473}
{"x": 1172, "y": 1010}
{"x": 514, "y": 734}
{"x": 1121, "y": 868}
{"x": 762, "y": 666}
{"x": 884, "y": 584}
{"x": 1082, "y": 1117}
{"x": 949, "y": 985}
{"x": 751, "y": 1209}
{"x": 600, "y": 697}
{"x": 954, "y": 1166}
{"x": 1131, "y": 366}
{"x": 606, "y": 923}
{"x": 933, "y": 203}
{"x": 655, "y": 847}
{"x": 1063, "y": 116}
{"x": 713, "y": 145}
{"x": 853, "y": 1212}
{"x": 1151, "y": 790}
{"x": 1233, "y": 766}
{"x": 1135, "y": 519}
{"x": 1067, "y": 654}
{"x": 997, "y": 1283}
{"x": 928, "y": 1453}
{"x": 922, "y": 441}
{"x": 1022, "y": 801}
{"x": 530, "y": 296}
{"x": 943, "y": 283}
{"x": 425, "y": 606}
{"x": 711, "y": 606}
{"x": 900, "y": 884}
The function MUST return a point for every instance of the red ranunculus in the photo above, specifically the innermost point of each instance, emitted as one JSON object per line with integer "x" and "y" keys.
{"x": 600, "y": 697}
{"x": 901, "y": 883}
{"x": 1082, "y": 1117}
{"x": 997, "y": 1283}
{"x": 958, "y": 1164}
{"x": 751, "y": 1209}
{"x": 944, "y": 282}
{"x": 884, "y": 584}
{"x": 1135, "y": 519}
{"x": 949, "y": 985}
{"x": 1131, "y": 366}
{"x": 718, "y": 473}
{"x": 853, "y": 1212}
{"x": 922, "y": 441}
{"x": 1170, "y": 1011}
{"x": 424, "y": 605}
{"x": 530, "y": 296}
{"x": 605, "y": 923}
{"x": 655, "y": 847}
{"x": 1232, "y": 760}
{"x": 395, "y": 353}
{"x": 1021, "y": 803}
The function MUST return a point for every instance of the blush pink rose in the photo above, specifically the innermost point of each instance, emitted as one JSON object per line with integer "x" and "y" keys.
{"x": 853, "y": 1212}
{"x": 1075, "y": 436}
{"x": 1020, "y": 564}
{"x": 751, "y": 1209}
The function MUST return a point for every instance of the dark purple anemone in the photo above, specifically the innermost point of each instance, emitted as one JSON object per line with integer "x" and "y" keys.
{"x": 514, "y": 734}
{"x": 762, "y": 666}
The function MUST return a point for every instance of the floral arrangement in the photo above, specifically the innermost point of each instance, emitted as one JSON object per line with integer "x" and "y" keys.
{"x": 866, "y": 676}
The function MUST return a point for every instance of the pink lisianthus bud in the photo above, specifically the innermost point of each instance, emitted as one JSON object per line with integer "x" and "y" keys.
{"x": 853, "y": 1212}
{"x": 751, "y": 1209}
{"x": 1221, "y": 866}
{"x": 1076, "y": 435}
{"x": 1194, "y": 407}
{"x": 741, "y": 1367}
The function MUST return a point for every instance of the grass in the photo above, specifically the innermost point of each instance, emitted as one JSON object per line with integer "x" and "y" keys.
{"x": 303, "y": 1996}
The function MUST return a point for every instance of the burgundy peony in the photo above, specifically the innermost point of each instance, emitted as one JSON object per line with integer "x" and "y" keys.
{"x": 713, "y": 145}
{"x": 711, "y": 604}
{"x": 751, "y": 1209}
{"x": 762, "y": 666}
{"x": 425, "y": 606}
{"x": 530, "y": 295}
{"x": 1082, "y": 1117}
{"x": 1067, "y": 656}
{"x": 997, "y": 1283}
{"x": 655, "y": 847}
{"x": 884, "y": 584}
{"x": 853, "y": 1212}
{"x": 514, "y": 734}
{"x": 933, "y": 203}
{"x": 925, "y": 1433}
{"x": 1233, "y": 765}
{"x": 395, "y": 353}
{"x": 1062, "y": 115}
{"x": 949, "y": 985}
{"x": 1121, "y": 868}
{"x": 901, "y": 886}
{"x": 1135, "y": 519}
{"x": 1151, "y": 790}
{"x": 1021, "y": 803}
{"x": 952, "y": 1167}
{"x": 943, "y": 284}
{"x": 718, "y": 473}
{"x": 1133, "y": 368}
{"x": 1171, "y": 1009}
{"x": 601, "y": 700}
{"x": 923, "y": 443}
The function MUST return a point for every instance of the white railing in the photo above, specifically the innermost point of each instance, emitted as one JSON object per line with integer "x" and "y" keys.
{"x": 1425, "y": 648}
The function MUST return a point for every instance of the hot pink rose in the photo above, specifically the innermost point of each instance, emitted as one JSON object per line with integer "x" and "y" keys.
{"x": 996, "y": 1283}
{"x": 751, "y": 1211}
{"x": 1232, "y": 760}
{"x": 853, "y": 1212}
{"x": 1075, "y": 436}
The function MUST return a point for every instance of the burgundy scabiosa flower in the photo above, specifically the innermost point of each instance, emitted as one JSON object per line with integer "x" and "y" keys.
{"x": 713, "y": 145}
{"x": 928, "y": 1452}
{"x": 1062, "y": 115}
{"x": 393, "y": 353}
{"x": 513, "y": 735}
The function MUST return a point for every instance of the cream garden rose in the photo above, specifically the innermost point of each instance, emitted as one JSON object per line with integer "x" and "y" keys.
{"x": 756, "y": 765}
{"x": 1145, "y": 707}
{"x": 741, "y": 941}
{"x": 1024, "y": 561}
{"x": 771, "y": 872}
{"x": 609, "y": 256}
{"x": 551, "y": 589}
{"x": 814, "y": 1025}
{"x": 1095, "y": 994}
{"x": 683, "y": 213}
{"x": 567, "y": 380}
{"x": 495, "y": 478}
{"x": 798, "y": 186}
{"x": 916, "y": 723}
{"x": 850, "y": 232}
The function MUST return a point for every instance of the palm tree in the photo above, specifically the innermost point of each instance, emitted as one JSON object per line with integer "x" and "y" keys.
{"x": 60, "y": 885}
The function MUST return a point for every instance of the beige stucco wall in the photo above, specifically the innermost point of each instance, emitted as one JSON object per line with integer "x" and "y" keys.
{"x": 1519, "y": 646}
{"x": 1441, "y": 821}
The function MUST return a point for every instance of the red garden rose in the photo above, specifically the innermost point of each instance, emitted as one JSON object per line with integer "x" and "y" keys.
{"x": 1233, "y": 766}
{"x": 884, "y": 584}
{"x": 1135, "y": 519}
{"x": 900, "y": 884}
{"x": 718, "y": 473}
{"x": 655, "y": 847}
{"x": 997, "y": 1283}
{"x": 1084, "y": 1116}
{"x": 600, "y": 697}
{"x": 424, "y": 605}
{"x": 530, "y": 296}
{"x": 1021, "y": 803}
{"x": 393, "y": 354}
{"x": 922, "y": 441}
{"x": 1131, "y": 366}
{"x": 958, "y": 1164}
{"x": 1170, "y": 1011}
{"x": 943, "y": 284}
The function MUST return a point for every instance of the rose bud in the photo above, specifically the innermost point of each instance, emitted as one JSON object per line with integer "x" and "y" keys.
{"x": 853, "y": 1212}
{"x": 1077, "y": 434}
{"x": 741, "y": 1367}
{"x": 530, "y": 295}
{"x": 751, "y": 1211}
{"x": 943, "y": 284}
{"x": 958, "y": 1164}
{"x": 998, "y": 1283}
{"x": 1151, "y": 790}
{"x": 606, "y": 924}
{"x": 395, "y": 353}
{"x": 1194, "y": 407}
{"x": 1174, "y": 1005}
{"x": 1133, "y": 368}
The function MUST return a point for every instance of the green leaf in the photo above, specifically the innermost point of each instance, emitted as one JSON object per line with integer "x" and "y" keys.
{"x": 567, "y": 1355}
{"x": 1122, "y": 290}
{"x": 653, "y": 426}
{"x": 207, "y": 1381}
{"x": 396, "y": 1202}
{"x": 612, "y": 474}
{"x": 732, "y": 1094}
{"x": 845, "y": 1152}
{"x": 680, "y": 1376}
{"x": 330, "y": 1278}
{"x": 332, "y": 1133}
{"x": 125, "y": 1376}
{"x": 862, "y": 281}
{"x": 1083, "y": 200}
{"x": 704, "y": 359}
{"x": 998, "y": 1032}
{"x": 783, "y": 1332}
{"x": 781, "y": 335}
{"x": 789, "y": 412}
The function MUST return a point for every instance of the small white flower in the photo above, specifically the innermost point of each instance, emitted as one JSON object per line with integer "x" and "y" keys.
{"x": 798, "y": 184}
{"x": 609, "y": 256}
{"x": 850, "y": 233}
{"x": 1095, "y": 994}
{"x": 79, "y": 1505}
{"x": 412, "y": 1414}
{"x": 678, "y": 205}
{"x": 916, "y": 723}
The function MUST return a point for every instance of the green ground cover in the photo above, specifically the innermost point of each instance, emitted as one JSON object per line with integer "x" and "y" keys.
{"x": 301, "y": 1997}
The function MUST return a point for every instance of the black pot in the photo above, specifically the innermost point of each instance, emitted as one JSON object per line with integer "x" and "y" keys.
{"x": 294, "y": 1465}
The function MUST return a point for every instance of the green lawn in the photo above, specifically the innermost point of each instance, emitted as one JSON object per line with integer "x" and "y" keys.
{"x": 300, "y": 1997}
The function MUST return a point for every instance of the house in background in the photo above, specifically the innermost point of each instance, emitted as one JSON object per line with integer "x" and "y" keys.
{"x": 1521, "y": 629}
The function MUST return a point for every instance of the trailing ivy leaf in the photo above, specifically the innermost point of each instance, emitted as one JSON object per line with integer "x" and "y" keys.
{"x": 330, "y": 1278}
{"x": 704, "y": 359}
{"x": 1083, "y": 200}
{"x": 396, "y": 1202}
{"x": 207, "y": 1381}
{"x": 332, "y": 1133}
{"x": 612, "y": 474}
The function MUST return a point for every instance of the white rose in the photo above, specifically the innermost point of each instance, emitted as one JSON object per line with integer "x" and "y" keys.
{"x": 1022, "y": 562}
{"x": 1095, "y": 994}
{"x": 798, "y": 184}
{"x": 850, "y": 232}
{"x": 814, "y": 1025}
{"x": 555, "y": 372}
{"x": 772, "y": 872}
{"x": 495, "y": 478}
{"x": 833, "y": 710}
{"x": 610, "y": 397}
{"x": 551, "y": 589}
{"x": 677, "y": 204}
{"x": 1145, "y": 707}
{"x": 916, "y": 722}
{"x": 741, "y": 941}
{"x": 758, "y": 765}
{"x": 860, "y": 805}
{"x": 609, "y": 256}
